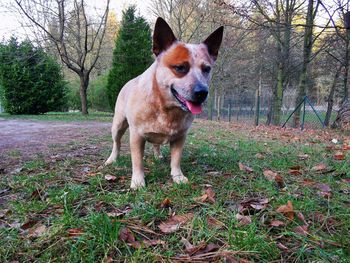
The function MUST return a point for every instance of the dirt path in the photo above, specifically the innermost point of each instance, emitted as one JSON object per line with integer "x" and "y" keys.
{"x": 21, "y": 140}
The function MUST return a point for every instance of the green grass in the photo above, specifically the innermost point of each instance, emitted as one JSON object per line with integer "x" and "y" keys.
{"x": 64, "y": 116}
{"x": 61, "y": 196}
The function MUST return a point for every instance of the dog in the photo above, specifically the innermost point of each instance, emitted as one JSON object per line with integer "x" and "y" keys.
{"x": 158, "y": 105}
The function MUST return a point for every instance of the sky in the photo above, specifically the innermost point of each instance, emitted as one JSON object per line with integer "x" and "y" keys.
{"x": 10, "y": 25}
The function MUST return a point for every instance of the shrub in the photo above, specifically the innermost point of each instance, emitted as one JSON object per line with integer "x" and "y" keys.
{"x": 132, "y": 53}
{"x": 32, "y": 81}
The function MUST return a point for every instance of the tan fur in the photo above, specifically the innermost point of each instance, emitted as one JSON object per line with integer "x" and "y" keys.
{"x": 147, "y": 106}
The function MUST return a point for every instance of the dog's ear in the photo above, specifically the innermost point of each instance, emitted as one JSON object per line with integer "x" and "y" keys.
{"x": 163, "y": 36}
{"x": 213, "y": 42}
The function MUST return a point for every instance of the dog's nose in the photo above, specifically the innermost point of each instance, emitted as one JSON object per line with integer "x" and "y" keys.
{"x": 200, "y": 93}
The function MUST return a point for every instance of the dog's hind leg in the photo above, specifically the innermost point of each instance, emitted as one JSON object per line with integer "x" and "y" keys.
{"x": 156, "y": 151}
{"x": 119, "y": 127}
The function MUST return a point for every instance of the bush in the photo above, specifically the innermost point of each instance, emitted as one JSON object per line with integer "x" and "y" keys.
{"x": 132, "y": 53}
{"x": 32, "y": 81}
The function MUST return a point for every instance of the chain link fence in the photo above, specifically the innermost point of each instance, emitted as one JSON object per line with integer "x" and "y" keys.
{"x": 245, "y": 107}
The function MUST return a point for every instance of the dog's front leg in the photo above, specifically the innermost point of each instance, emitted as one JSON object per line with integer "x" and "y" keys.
{"x": 176, "y": 148}
{"x": 137, "y": 147}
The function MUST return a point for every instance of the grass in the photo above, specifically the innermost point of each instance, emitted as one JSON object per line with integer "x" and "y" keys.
{"x": 72, "y": 199}
{"x": 63, "y": 116}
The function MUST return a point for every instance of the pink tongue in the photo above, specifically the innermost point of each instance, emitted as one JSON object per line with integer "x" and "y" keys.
{"x": 195, "y": 109}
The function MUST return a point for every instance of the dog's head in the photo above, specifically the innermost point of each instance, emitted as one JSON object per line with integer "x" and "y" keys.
{"x": 184, "y": 70}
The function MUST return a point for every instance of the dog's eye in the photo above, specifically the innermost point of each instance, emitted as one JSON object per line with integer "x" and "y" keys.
{"x": 181, "y": 69}
{"x": 206, "y": 69}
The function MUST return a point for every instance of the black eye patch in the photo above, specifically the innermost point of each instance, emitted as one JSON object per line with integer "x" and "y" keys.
{"x": 206, "y": 69}
{"x": 182, "y": 68}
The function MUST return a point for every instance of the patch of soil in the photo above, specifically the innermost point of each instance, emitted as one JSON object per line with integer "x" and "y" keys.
{"x": 22, "y": 140}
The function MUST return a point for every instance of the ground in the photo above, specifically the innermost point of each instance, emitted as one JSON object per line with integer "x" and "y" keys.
{"x": 255, "y": 194}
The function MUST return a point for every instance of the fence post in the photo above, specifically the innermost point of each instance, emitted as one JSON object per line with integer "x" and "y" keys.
{"x": 229, "y": 111}
{"x": 257, "y": 107}
{"x": 303, "y": 121}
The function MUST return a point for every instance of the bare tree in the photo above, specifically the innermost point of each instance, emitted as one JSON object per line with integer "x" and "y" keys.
{"x": 76, "y": 36}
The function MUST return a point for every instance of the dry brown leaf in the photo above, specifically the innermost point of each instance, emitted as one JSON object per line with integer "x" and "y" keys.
{"x": 303, "y": 156}
{"x": 29, "y": 224}
{"x": 287, "y": 210}
{"x": 153, "y": 242}
{"x": 207, "y": 196}
{"x": 259, "y": 156}
{"x": 109, "y": 177}
{"x": 302, "y": 230}
{"x": 255, "y": 203}
{"x": 174, "y": 223}
{"x": 339, "y": 156}
{"x": 75, "y": 232}
{"x": 245, "y": 168}
{"x": 294, "y": 172}
{"x": 165, "y": 203}
{"x": 243, "y": 220}
{"x": 211, "y": 221}
{"x": 37, "y": 231}
{"x": 119, "y": 212}
{"x": 201, "y": 248}
{"x": 308, "y": 182}
{"x": 270, "y": 175}
{"x": 276, "y": 223}
{"x": 319, "y": 168}
{"x": 302, "y": 218}
{"x": 281, "y": 246}
{"x": 128, "y": 237}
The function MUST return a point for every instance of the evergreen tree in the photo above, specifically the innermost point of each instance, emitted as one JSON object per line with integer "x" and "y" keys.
{"x": 132, "y": 53}
{"x": 31, "y": 80}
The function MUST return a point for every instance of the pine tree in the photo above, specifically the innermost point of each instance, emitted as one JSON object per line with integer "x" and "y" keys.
{"x": 132, "y": 53}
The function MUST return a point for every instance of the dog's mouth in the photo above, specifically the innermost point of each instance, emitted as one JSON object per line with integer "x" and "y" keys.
{"x": 187, "y": 105}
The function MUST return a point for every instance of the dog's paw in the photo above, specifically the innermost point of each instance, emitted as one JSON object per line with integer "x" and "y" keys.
{"x": 180, "y": 179}
{"x": 137, "y": 184}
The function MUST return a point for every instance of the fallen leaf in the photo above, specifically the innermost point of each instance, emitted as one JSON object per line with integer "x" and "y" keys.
{"x": 339, "y": 156}
{"x": 270, "y": 175}
{"x": 287, "y": 210}
{"x": 319, "y": 168}
{"x": 323, "y": 187}
{"x": 109, "y": 177}
{"x": 211, "y": 221}
{"x": 243, "y": 220}
{"x": 201, "y": 248}
{"x": 245, "y": 168}
{"x": 128, "y": 237}
{"x": 208, "y": 195}
{"x": 259, "y": 156}
{"x": 281, "y": 246}
{"x": 75, "y": 232}
{"x": 37, "y": 231}
{"x": 302, "y": 218}
{"x": 256, "y": 203}
{"x": 294, "y": 172}
{"x": 302, "y": 230}
{"x": 191, "y": 249}
{"x": 153, "y": 242}
{"x": 119, "y": 212}
{"x": 29, "y": 224}
{"x": 303, "y": 156}
{"x": 174, "y": 223}
{"x": 165, "y": 203}
{"x": 308, "y": 182}
{"x": 276, "y": 223}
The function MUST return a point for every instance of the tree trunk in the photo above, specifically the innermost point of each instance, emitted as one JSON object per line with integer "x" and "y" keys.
{"x": 346, "y": 65}
{"x": 306, "y": 59}
{"x": 84, "y": 83}
{"x": 330, "y": 99}
{"x": 343, "y": 118}
{"x": 278, "y": 96}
